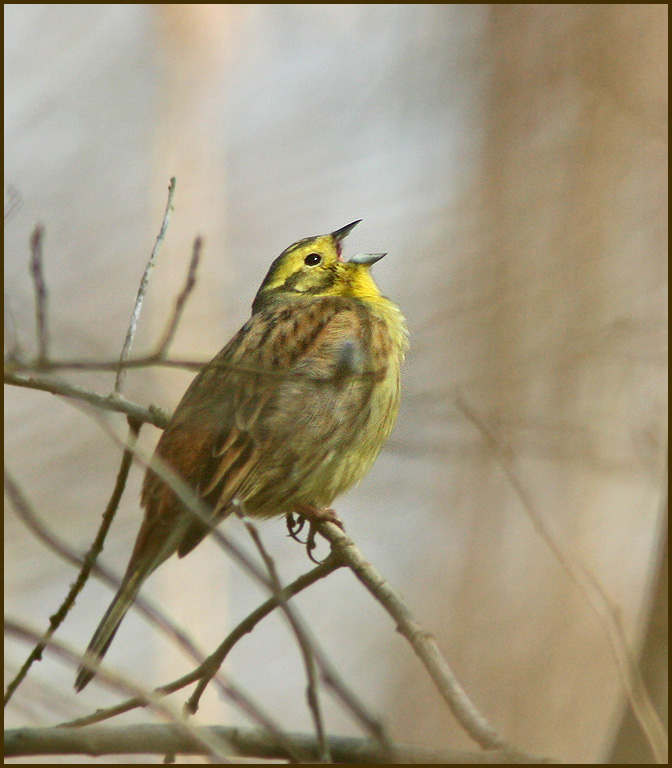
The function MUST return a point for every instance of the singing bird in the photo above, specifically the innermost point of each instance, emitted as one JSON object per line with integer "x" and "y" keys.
{"x": 290, "y": 414}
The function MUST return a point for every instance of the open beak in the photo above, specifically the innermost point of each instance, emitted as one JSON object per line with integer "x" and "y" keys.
{"x": 367, "y": 259}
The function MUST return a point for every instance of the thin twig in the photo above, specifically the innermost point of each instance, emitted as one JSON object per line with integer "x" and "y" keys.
{"x": 594, "y": 592}
{"x": 37, "y": 273}
{"x": 421, "y": 641}
{"x": 210, "y": 742}
{"x": 155, "y": 359}
{"x": 28, "y": 516}
{"x": 181, "y": 300}
{"x": 147, "y": 361}
{"x": 244, "y": 742}
{"x": 142, "y": 290}
{"x": 18, "y": 366}
{"x": 57, "y": 618}
{"x": 302, "y": 639}
{"x": 151, "y": 612}
{"x": 116, "y": 403}
{"x": 113, "y": 504}
{"x": 206, "y": 671}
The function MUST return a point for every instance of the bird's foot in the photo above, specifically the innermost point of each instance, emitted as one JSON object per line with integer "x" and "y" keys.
{"x": 313, "y": 515}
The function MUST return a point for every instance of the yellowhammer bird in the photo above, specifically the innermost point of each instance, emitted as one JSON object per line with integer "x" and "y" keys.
{"x": 290, "y": 414}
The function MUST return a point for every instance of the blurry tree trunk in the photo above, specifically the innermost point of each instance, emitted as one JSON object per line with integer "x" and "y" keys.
{"x": 630, "y": 745}
{"x": 565, "y": 331}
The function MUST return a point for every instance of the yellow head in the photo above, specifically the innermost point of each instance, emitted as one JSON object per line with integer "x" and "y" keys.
{"x": 313, "y": 267}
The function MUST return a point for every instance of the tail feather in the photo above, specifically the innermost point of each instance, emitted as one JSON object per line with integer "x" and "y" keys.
{"x": 107, "y": 628}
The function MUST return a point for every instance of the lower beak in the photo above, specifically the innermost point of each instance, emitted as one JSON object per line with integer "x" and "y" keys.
{"x": 367, "y": 259}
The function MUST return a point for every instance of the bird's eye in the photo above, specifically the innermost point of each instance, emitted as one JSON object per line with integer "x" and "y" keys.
{"x": 312, "y": 259}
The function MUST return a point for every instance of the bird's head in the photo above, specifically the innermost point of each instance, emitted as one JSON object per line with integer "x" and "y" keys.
{"x": 314, "y": 267}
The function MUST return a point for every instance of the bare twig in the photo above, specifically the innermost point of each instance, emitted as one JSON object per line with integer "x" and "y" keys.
{"x": 15, "y": 365}
{"x": 142, "y": 290}
{"x": 421, "y": 641}
{"x": 303, "y": 641}
{"x": 37, "y": 272}
{"x": 112, "y": 505}
{"x": 594, "y": 592}
{"x": 19, "y": 365}
{"x": 116, "y": 403}
{"x": 206, "y": 671}
{"x": 212, "y": 744}
{"x": 56, "y": 545}
{"x": 151, "y": 612}
{"x": 155, "y": 359}
{"x": 57, "y": 618}
{"x": 243, "y": 742}
{"x": 181, "y": 300}
{"x": 148, "y": 361}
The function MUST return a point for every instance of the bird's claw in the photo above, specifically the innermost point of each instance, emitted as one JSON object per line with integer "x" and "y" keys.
{"x": 295, "y": 526}
{"x": 296, "y": 521}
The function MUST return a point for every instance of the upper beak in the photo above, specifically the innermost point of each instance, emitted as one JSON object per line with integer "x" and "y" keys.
{"x": 339, "y": 234}
{"x": 366, "y": 258}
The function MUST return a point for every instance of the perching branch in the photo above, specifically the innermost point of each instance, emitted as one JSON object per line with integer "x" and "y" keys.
{"x": 15, "y": 364}
{"x": 422, "y": 642}
{"x": 242, "y": 742}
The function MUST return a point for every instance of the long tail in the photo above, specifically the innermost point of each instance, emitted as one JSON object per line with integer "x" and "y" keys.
{"x": 108, "y": 626}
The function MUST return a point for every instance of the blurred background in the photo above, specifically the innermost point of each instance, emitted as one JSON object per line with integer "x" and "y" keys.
{"x": 512, "y": 160}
